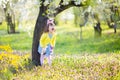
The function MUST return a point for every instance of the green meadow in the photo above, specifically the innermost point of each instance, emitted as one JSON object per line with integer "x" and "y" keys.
{"x": 89, "y": 58}
{"x": 68, "y": 40}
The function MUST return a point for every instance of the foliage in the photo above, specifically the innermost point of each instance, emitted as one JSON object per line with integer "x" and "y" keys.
{"x": 98, "y": 11}
{"x": 11, "y": 63}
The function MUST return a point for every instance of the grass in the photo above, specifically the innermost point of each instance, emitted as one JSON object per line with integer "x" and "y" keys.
{"x": 20, "y": 41}
{"x": 68, "y": 40}
{"x": 80, "y": 67}
{"x": 64, "y": 67}
{"x": 74, "y": 59}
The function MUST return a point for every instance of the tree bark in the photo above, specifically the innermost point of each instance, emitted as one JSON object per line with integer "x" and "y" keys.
{"x": 10, "y": 19}
{"x": 12, "y": 28}
{"x": 10, "y": 24}
{"x": 39, "y": 27}
{"x": 97, "y": 29}
{"x": 113, "y": 25}
{"x": 38, "y": 30}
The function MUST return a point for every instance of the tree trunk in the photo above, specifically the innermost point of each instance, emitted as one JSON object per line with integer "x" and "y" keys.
{"x": 1, "y": 23}
{"x": 10, "y": 24}
{"x": 114, "y": 25}
{"x": 109, "y": 25}
{"x": 97, "y": 29}
{"x": 81, "y": 33}
{"x": 12, "y": 28}
{"x": 39, "y": 28}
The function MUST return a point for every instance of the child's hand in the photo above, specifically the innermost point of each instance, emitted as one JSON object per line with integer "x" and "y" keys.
{"x": 51, "y": 52}
{"x": 42, "y": 53}
{"x": 43, "y": 50}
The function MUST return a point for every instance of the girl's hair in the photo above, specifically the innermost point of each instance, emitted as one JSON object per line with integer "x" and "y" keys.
{"x": 50, "y": 22}
{"x": 47, "y": 27}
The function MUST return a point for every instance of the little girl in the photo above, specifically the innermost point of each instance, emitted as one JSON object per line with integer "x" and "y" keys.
{"x": 47, "y": 42}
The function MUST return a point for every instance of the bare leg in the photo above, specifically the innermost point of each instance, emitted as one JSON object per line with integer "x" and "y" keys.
{"x": 49, "y": 60}
{"x": 42, "y": 59}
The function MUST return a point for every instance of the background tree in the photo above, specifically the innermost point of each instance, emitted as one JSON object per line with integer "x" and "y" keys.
{"x": 81, "y": 17}
{"x": 9, "y": 15}
{"x": 112, "y": 13}
{"x": 107, "y": 11}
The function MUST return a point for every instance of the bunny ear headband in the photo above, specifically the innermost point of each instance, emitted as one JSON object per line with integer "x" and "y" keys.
{"x": 50, "y": 21}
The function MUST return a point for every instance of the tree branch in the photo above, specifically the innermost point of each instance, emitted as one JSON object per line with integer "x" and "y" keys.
{"x": 61, "y": 2}
{"x": 43, "y": 8}
{"x": 62, "y": 7}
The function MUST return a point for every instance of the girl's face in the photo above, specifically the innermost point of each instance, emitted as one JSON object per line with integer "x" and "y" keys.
{"x": 52, "y": 28}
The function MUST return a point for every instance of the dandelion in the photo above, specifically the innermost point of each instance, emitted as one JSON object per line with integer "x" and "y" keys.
{"x": 6, "y": 48}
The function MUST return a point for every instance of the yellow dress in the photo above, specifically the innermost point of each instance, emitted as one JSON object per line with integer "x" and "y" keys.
{"x": 47, "y": 41}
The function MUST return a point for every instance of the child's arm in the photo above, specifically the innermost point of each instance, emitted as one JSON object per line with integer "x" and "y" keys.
{"x": 53, "y": 41}
{"x": 42, "y": 43}
{"x": 42, "y": 40}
